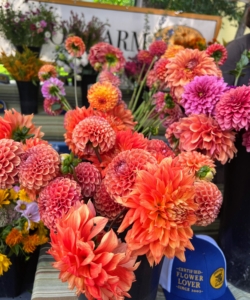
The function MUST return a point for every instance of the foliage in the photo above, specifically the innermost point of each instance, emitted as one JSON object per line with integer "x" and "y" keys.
{"x": 117, "y": 2}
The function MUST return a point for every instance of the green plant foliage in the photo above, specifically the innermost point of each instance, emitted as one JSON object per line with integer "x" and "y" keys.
{"x": 117, "y": 2}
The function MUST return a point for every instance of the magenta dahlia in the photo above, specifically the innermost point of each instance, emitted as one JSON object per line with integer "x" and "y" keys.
{"x": 157, "y": 48}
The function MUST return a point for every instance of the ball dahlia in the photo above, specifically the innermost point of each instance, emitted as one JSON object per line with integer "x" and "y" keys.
{"x": 157, "y": 48}
{"x": 56, "y": 199}
{"x": 10, "y": 160}
{"x": 88, "y": 177}
{"x": 209, "y": 200}
{"x": 233, "y": 109}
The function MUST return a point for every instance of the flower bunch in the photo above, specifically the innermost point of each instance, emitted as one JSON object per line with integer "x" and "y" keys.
{"x": 28, "y": 23}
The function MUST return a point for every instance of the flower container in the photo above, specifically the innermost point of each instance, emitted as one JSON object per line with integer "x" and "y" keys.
{"x": 28, "y": 95}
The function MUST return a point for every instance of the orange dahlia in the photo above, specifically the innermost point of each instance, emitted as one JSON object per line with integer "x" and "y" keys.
{"x": 159, "y": 149}
{"x": 14, "y": 237}
{"x": 56, "y": 199}
{"x": 10, "y": 160}
{"x": 13, "y": 123}
{"x": 29, "y": 143}
{"x": 96, "y": 264}
{"x": 209, "y": 200}
{"x": 199, "y": 132}
{"x": 88, "y": 177}
{"x": 75, "y": 46}
{"x": 39, "y": 165}
{"x": 106, "y": 206}
{"x": 187, "y": 64}
{"x": 122, "y": 171}
{"x": 172, "y": 51}
{"x": 103, "y": 96}
{"x": 161, "y": 212}
{"x": 199, "y": 165}
{"x": 46, "y": 72}
{"x": 93, "y": 133}
{"x": 30, "y": 242}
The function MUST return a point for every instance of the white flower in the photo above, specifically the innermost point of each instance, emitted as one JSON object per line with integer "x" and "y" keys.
{"x": 84, "y": 59}
{"x": 47, "y": 34}
{"x": 16, "y": 19}
{"x": 38, "y": 25}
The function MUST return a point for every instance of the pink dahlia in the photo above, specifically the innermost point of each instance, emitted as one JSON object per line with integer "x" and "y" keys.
{"x": 160, "y": 68}
{"x": 246, "y": 140}
{"x": 121, "y": 172}
{"x": 56, "y": 199}
{"x": 145, "y": 57}
{"x": 233, "y": 109}
{"x": 157, "y": 48}
{"x": 40, "y": 164}
{"x": 103, "y": 56}
{"x": 201, "y": 95}
{"x": 53, "y": 89}
{"x": 151, "y": 80}
{"x": 10, "y": 159}
{"x": 106, "y": 206}
{"x": 110, "y": 77}
{"x": 209, "y": 200}
{"x": 199, "y": 132}
{"x": 159, "y": 149}
{"x": 218, "y": 52}
{"x": 93, "y": 133}
{"x": 88, "y": 177}
{"x": 52, "y": 107}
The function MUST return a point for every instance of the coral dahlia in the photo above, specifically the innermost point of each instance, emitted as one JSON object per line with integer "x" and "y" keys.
{"x": 161, "y": 212}
{"x": 103, "y": 270}
{"x": 159, "y": 149}
{"x": 160, "y": 68}
{"x": 75, "y": 46}
{"x": 145, "y": 57}
{"x": 46, "y": 72}
{"x": 56, "y": 199}
{"x": 209, "y": 200}
{"x": 233, "y": 109}
{"x": 10, "y": 160}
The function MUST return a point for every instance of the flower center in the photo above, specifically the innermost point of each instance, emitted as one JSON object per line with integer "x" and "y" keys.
{"x": 192, "y": 64}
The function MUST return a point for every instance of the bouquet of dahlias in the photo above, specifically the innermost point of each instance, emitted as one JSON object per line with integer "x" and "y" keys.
{"x": 116, "y": 180}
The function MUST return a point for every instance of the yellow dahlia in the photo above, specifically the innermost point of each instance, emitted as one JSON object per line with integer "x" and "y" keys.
{"x": 4, "y": 263}
{"x": 103, "y": 96}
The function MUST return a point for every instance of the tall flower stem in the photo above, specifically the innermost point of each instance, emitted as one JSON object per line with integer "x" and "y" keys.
{"x": 65, "y": 103}
{"x": 131, "y": 102}
{"x": 75, "y": 85}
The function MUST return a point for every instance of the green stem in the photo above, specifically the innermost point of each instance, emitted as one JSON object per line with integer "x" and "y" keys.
{"x": 66, "y": 104}
{"x": 130, "y": 105}
{"x": 75, "y": 87}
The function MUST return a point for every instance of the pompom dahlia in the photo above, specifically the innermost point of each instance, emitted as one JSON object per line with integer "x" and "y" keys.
{"x": 29, "y": 143}
{"x": 159, "y": 149}
{"x": 106, "y": 206}
{"x": 233, "y": 109}
{"x": 75, "y": 46}
{"x": 56, "y": 199}
{"x": 13, "y": 123}
{"x": 122, "y": 171}
{"x": 93, "y": 132}
{"x": 187, "y": 64}
{"x": 40, "y": 164}
{"x": 88, "y": 177}
{"x": 246, "y": 140}
{"x": 218, "y": 52}
{"x": 103, "y": 56}
{"x": 199, "y": 165}
{"x": 172, "y": 51}
{"x": 161, "y": 212}
{"x": 48, "y": 105}
{"x": 103, "y": 96}
{"x": 145, "y": 57}
{"x": 53, "y": 89}
{"x": 199, "y": 132}
{"x": 109, "y": 77}
{"x": 46, "y": 72}
{"x": 201, "y": 94}
{"x": 106, "y": 268}
{"x": 10, "y": 160}
{"x": 209, "y": 200}
{"x": 157, "y": 48}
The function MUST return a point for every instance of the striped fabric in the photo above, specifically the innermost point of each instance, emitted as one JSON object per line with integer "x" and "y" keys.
{"x": 47, "y": 286}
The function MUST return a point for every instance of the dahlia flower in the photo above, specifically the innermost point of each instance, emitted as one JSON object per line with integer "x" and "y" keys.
{"x": 10, "y": 160}
{"x": 172, "y": 51}
{"x": 161, "y": 212}
{"x": 4, "y": 263}
{"x": 30, "y": 242}
{"x": 29, "y": 143}
{"x": 88, "y": 177}
{"x": 187, "y": 64}
{"x": 110, "y": 77}
{"x": 39, "y": 165}
{"x": 93, "y": 133}
{"x": 46, "y": 72}
{"x": 160, "y": 68}
{"x": 53, "y": 89}
{"x": 209, "y": 200}
{"x": 201, "y": 95}
{"x": 246, "y": 140}
{"x": 103, "y": 56}
{"x": 131, "y": 69}
{"x": 103, "y": 96}
{"x": 157, "y": 48}
{"x": 199, "y": 165}
{"x": 94, "y": 263}
{"x": 48, "y": 106}
{"x": 233, "y": 109}
{"x": 106, "y": 206}
{"x": 122, "y": 171}
{"x": 159, "y": 149}
{"x": 199, "y": 132}
{"x": 145, "y": 57}
{"x": 56, "y": 199}
{"x": 14, "y": 237}
{"x": 75, "y": 46}
{"x": 14, "y": 125}
{"x": 218, "y": 52}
